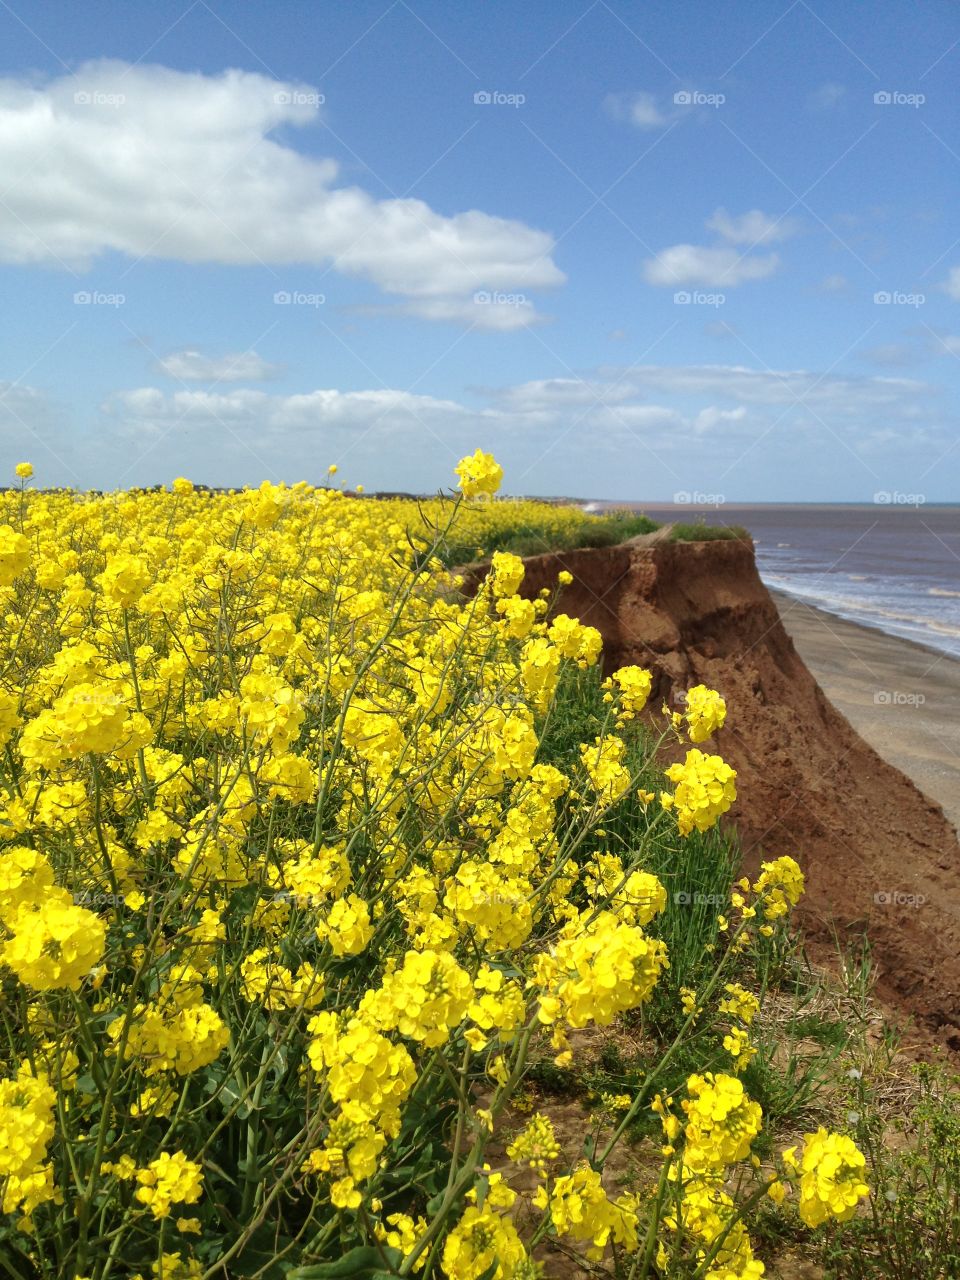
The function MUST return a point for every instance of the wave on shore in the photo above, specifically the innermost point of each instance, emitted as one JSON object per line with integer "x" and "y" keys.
{"x": 874, "y": 607}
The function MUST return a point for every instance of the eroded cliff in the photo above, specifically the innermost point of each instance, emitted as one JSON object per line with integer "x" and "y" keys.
{"x": 879, "y": 856}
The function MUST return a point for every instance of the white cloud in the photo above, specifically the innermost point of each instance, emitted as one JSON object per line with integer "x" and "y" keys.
{"x": 751, "y": 228}
{"x": 194, "y": 366}
{"x": 842, "y": 398}
{"x": 150, "y": 162}
{"x": 697, "y": 264}
{"x": 495, "y": 312}
{"x": 952, "y": 284}
{"x": 834, "y": 284}
{"x": 711, "y": 417}
{"x": 639, "y": 109}
{"x": 263, "y": 412}
{"x": 723, "y": 265}
{"x": 711, "y": 413}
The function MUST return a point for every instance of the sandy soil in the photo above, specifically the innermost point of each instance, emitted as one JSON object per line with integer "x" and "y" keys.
{"x": 903, "y": 698}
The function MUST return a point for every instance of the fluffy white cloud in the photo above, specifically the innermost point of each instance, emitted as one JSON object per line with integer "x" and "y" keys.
{"x": 952, "y": 284}
{"x": 753, "y": 227}
{"x": 834, "y": 394}
{"x": 194, "y": 366}
{"x": 259, "y": 415}
{"x": 723, "y": 266}
{"x": 495, "y": 312}
{"x": 152, "y": 162}
{"x": 670, "y": 413}
{"x": 710, "y": 418}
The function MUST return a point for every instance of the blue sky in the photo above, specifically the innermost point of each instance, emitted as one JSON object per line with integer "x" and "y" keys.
{"x": 634, "y": 250}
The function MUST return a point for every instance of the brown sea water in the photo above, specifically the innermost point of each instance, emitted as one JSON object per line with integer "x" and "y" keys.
{"x": 885, "y": 565}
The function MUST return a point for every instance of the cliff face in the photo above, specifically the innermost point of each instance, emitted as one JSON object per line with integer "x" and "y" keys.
{"x": 880, "y": 857}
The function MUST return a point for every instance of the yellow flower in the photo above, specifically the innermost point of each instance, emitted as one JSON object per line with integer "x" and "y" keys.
{"x": 580, "y": 1208}
{"x": 346, "y": 926}
{"x": 832, "y": 1182}
{"x": 54, "y": 943}
{"x": 169, "y": 1180}
{"x": 631, "y": 686}
{"x": 705, "y": 713}
{"x": 14, "y": 554}
{"x": 536, "y": 1144}
{"x": 704, "y": 791}
{"x": 24, "y": 470}
{"x": 483, "y": 1243}
{"x": 479, "y": 475}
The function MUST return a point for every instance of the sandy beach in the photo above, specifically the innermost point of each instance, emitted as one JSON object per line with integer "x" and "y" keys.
{"x": 903, "y": 698}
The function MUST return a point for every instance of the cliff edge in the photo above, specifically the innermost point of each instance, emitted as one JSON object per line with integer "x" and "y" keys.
{"x": 880, "y": 857}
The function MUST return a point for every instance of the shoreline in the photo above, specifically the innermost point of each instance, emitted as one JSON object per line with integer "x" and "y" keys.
{"x": 902, "y": 697}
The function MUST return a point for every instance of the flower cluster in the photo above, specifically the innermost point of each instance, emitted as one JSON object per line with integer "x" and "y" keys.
{"x": 704, "y": 791}
{"x": 705, "y": 712}
{"x": 832, "y": 1181}
{"x": 302, "y": 857}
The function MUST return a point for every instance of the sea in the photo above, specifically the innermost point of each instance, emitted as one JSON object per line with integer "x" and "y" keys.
{"x": 892, "y": 567}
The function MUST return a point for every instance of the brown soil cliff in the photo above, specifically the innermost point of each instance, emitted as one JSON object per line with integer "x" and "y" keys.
{"x": 880, "y": 857}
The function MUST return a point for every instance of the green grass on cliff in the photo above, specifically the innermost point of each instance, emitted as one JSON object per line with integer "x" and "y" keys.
{"x": 700, "y": 532}
{"x": 537, "y": 529}
{"x": 529, "y": 536}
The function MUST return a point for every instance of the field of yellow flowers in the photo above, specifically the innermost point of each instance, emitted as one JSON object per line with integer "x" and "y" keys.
{"x": 294, "y": 880}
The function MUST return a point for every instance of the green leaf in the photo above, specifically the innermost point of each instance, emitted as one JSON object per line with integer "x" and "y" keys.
{"x": 363, "y": 1263}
